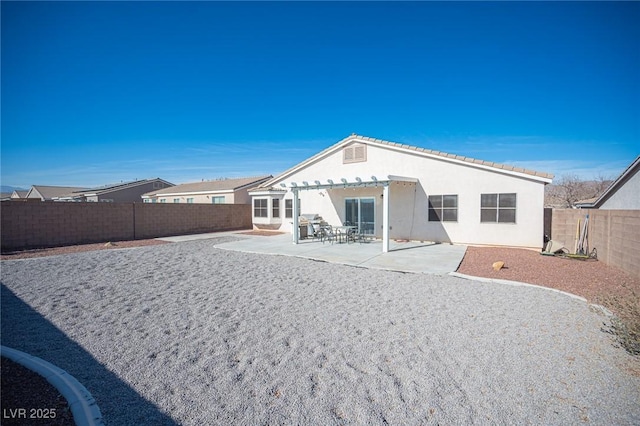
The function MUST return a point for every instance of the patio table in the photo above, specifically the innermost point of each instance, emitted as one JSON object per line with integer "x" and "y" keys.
{"x": 344, "y": 232}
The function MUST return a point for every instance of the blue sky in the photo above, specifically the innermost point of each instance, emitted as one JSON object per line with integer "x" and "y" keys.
{"x": 101, "y": 92}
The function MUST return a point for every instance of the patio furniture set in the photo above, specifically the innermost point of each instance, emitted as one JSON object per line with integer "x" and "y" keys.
{"x": 346, "y": 233}
{"x": 313, "y": 226}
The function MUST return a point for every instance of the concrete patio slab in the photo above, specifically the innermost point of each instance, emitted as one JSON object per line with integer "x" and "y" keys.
{"x": 195, "y": 237}
{"x": 411, "y": 256}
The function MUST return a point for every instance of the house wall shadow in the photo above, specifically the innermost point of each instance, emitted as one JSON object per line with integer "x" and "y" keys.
{"x": 338, "y": 196}
{"x": 119, "y": 403}
{"x": 422, "y": 228}
{"x": 408, "y": 211}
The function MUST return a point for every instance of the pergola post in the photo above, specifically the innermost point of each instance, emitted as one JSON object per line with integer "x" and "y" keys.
{"x": 296, "y": 219}
{"x": 385, "y": 218}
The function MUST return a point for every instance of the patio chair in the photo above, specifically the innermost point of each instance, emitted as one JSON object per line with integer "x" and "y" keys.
{"x": 361, "y": 237}
{"x": 353, "y": 235}
{"x": 317, "y": 232}
{"x": 328, "y": 234}
{"x": 350, "y": 235}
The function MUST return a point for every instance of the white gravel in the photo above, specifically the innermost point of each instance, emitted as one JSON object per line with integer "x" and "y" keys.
{"x": 185, "y": 333}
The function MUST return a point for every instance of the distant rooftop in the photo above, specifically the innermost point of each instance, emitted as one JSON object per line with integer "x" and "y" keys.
{"x": 48, "y": 192}
{"x": 120, "y": 185}
{"x": 212, "y": 185}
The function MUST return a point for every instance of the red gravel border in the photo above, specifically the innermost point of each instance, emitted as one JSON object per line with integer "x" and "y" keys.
{"x": 590, "y": 279}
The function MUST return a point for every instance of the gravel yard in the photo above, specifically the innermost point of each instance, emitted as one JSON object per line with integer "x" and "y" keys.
{"x": 185, "y": 333}
{"x": 595, "y": 281}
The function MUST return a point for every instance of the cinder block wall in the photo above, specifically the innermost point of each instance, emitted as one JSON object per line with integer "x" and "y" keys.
{"x": 161, "y": 220}
{"x": 48, "y": 224}
{"x": 614, "y": 233}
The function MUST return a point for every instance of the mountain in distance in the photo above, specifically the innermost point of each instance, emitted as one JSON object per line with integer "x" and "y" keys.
{"x": 7, "y": 188}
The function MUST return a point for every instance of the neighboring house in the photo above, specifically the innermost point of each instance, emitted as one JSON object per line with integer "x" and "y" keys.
{"x": 622, "y": 194}
{"x": 5, "y": 196}
{"x": 130, "y": 192}
{"x": 395, "y": 191}
{"x": 48, "y": 193}
{"x": 19, "y": 194}
{"x": 583, "y": 204}
{"x": 223, "y": 191}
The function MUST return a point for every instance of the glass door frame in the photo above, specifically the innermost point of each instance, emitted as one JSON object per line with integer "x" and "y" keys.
{"x": 358, "y": 222}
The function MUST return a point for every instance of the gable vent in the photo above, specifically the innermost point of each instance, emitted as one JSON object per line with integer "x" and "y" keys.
{"x": 356, "y": 153}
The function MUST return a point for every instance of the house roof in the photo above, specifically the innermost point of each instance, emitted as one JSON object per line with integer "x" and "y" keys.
{"x": 615, "y": 186}
{"x": 20, "y": 193}
{"x": 118, "y": 186}
{"x": 211, "y": 186}
{"x": 545, "y": 177}
{"x": 48, "y": 192}
{"x": 588, "y": 202}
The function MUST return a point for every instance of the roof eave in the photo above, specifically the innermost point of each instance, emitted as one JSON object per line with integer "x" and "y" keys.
{"x": 621, "y": 180}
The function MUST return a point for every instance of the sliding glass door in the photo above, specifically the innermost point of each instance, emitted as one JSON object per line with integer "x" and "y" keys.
{"x": 360, "y": 212}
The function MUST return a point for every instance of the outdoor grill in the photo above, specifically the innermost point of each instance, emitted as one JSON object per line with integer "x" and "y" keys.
{"x": 310, "y": 217}
{"x": 306, "y": 222}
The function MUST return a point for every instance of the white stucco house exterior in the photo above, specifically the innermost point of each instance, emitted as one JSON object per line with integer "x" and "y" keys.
{"x": 396, "y": 191}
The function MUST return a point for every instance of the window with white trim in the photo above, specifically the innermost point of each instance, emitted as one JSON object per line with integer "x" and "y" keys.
{"x": 275, "y": 207}
{"x": 163, "y": 200}
{"x": 189, "y": 200}
{"x": 217, "y": 200}
{"x": 443, "y": 208}
{"x": 288, "y": 209}
{"x": 260, "y": 207}
{"x": 498, "y": 208}
{"x": 176, "y": 200}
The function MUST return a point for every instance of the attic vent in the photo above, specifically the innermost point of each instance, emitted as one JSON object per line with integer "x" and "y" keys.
{"x": 356, "y": 153}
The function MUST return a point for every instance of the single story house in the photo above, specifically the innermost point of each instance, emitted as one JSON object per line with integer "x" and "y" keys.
{"x": 124, "y": 192}
{"x": 396, "y": 191}
{"x": 18, "y": 194}
{"x": 49, "y": 193}
{"x": 622, "y": 194}
{"x": 221, "y": 191}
